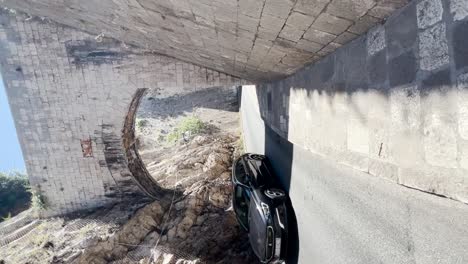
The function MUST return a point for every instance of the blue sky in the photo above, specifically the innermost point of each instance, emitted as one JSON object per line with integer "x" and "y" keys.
{"x": 11, "y": 157}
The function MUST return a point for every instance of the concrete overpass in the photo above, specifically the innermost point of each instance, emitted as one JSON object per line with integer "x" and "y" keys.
{"x": 251, "y": 39}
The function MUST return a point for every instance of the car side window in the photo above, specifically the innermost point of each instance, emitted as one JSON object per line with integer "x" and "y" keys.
{"x": 241, "y": 206}
{"x": 241, "y": 174}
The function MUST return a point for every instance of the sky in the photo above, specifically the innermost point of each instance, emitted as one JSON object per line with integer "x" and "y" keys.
{"x": 11, "y": 157}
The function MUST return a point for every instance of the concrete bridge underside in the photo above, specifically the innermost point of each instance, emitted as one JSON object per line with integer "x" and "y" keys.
{"x": 250, "y": 39}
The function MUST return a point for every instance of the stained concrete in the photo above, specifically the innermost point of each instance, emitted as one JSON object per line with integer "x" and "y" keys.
{"x": 252, "y": 39}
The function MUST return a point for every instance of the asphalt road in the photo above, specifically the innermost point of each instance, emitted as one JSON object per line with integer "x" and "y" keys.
{"x": 347, "y": 216}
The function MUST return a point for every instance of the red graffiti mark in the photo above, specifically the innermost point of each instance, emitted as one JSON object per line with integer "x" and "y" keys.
{"x": 87, "y": 147}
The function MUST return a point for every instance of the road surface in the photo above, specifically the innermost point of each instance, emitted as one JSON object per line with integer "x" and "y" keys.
{"x": 347, "y": 216}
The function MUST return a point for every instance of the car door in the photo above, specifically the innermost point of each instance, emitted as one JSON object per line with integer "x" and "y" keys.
{"x": 241, "y": 204}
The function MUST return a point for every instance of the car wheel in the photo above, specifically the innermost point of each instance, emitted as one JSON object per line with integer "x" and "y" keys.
{"x": 275, "y": 193}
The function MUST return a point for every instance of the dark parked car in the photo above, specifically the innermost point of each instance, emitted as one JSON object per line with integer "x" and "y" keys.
{"x": 259, "y": 204}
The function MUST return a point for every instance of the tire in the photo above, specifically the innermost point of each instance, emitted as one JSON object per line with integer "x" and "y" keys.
{"x": 275, "y": 194}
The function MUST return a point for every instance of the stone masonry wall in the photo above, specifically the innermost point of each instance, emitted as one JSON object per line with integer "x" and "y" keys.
{"x": 252, "y": 39}
{"x": 69, "y": 93}
{"x": 393, "y": 103}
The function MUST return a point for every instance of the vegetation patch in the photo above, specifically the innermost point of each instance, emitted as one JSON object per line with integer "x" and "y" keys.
{"x": 14, "y": 194}
{"x": 38, "y": 200}
{"x": 187, "y": 128}
{"x": 141, "y": 123}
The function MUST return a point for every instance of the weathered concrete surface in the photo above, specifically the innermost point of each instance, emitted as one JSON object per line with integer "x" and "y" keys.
{"x": 252, "y": 39}
{"x": 69, "y": 94}
{"x": 347, "y": 216}
{"x": 392, "y": 103}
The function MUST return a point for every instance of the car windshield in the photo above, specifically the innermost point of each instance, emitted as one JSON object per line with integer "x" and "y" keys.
{"x": 241, "y": 174}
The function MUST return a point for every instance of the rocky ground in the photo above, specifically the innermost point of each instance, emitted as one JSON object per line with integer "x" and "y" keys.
{"x": 195, "y": 224}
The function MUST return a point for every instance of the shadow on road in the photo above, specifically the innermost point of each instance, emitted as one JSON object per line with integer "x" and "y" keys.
{"x": 281, "y": 151}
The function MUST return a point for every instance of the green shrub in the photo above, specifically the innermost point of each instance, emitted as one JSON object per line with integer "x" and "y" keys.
{"x": 14, "y": 194}
{"x": 38, "y": 200}
{"x": 189, "y": 125}
{"x": 141, "y": 123}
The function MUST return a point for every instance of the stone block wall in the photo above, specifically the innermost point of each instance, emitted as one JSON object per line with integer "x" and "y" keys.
{"x": 70, "y": 93}
{"x": 392, "y": 103}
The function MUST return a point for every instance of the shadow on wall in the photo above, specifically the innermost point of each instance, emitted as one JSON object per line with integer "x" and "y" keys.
{"x": 392, "y": 103}
{"x": 278, "y": 149}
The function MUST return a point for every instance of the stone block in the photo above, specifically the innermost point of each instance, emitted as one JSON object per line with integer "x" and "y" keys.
{"x": 332, "y": 46}
{"x": 363, "y": 24}
{"x": 299, "y": 20}
{"x": 383, "y": 169}
{"x": 345, "y": 37}
{"x": 260, "y": 49}
{"x": 439, "y": 111}
{"x": 385, "y": 8}
{"x": 243, "y": 44}
{"x": 358, "y": 136}
{"x": 331, "y": 24}
{"x": 354, "y": 160}
{"x": 379, "y": 125}
{"x": 291, "y": 33}
{"x": 462, "y": 99}
{"x": 406, "y": 149}
{"x": 433, "y": 48}
{"x": 437, "y": 82}
{"x": 440, "y": 142}
{"x": 376, "y": 40}
{"x": 267, "y": 34}
{"x": 377, "y": 68}
{"x": 311, "y": 8}
{"x": 310, "y": 46}
{"x": 278, "y": 8}
{"x": 245, "y": 34}
{"x": 251, "y": 8}
{"x": 248, "y": 23}
{"x": 326, "y": 70}
{"x": 271, "y": 23}
{"x": 202, "y": 10}
{"x": 464, "y": 154}
{"x": 401, "y": 32}
{"x": 429, "y": 12}
{"x": 351, "y": 66}
{"x": 402, "y": 69}
{"x": 351, "y": 10}
{"x": 460, "y": 46}
{"x": 459, "y": 9}
{"x": 319, "y": 36}
{"x": 405, "y": 109}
